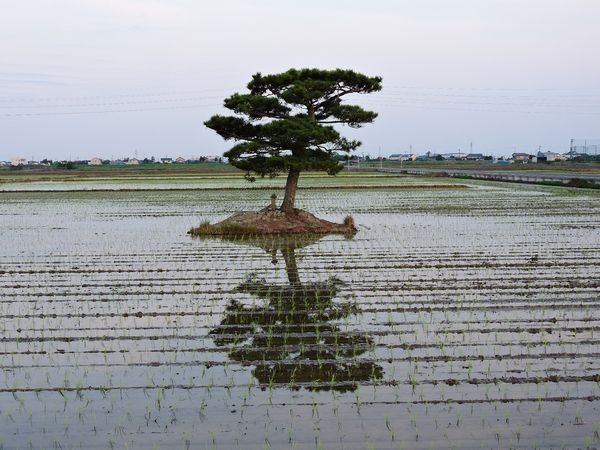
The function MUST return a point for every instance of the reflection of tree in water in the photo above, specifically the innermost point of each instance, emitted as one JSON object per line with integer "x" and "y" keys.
{"x": 291, "y": 333}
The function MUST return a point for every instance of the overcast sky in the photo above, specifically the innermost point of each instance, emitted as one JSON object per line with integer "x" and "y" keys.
{"x": 83, "y": 78}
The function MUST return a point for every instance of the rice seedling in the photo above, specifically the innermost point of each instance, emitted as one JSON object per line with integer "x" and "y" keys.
{"x": 438, "y": 307}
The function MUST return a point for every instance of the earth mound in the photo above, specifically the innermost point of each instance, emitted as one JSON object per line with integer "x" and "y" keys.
{"x": 274, "y": 221}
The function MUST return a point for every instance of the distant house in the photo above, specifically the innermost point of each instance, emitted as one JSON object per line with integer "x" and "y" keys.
{"x": 402, "y": 157}
{"x": 132, "y": 161}
{"x": 166, "y": 160}
{"x": 549, "y": 157}
{"x": 95, "y": 162}
{"x": 212, "y": 158}
{"x": 454, "y": 155}
{"x": 474, "y": 157}
{"x": 574, "y": 154}
{"x": 18, "y": 162}
{"x": 426, "y": 157}
{"x": 181, "y": 160}
{"x": 523, "y": 157}
{"x": 4, "y": 163}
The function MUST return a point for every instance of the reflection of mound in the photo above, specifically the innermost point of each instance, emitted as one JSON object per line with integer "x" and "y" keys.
{"x": 290, "y": 339}
{"x": 275, "y": 242}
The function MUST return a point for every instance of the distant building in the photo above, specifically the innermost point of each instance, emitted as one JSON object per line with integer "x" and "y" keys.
{"x": 166, "y": 160}
{"x": 181, "y": 160}
{"x": 474, "y": 157}
{"x": 402, "y": 157}
{"x": 426, "y": 157}
{"x": 95, "y": 162}
{"x": 574, "y": 154}
{"x": 454, "y": 155}
{"x": 550, "y": 157}
{"x": 4, "y": 163}
{"x": 18, "y": 162}
{"x": 523, "y": 157}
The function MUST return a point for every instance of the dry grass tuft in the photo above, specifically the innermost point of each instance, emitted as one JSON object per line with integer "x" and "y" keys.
{"x": 349, "y": 222}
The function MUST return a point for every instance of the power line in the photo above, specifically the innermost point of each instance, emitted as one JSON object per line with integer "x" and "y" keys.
{"x": 453, "y": 88}
{"x": 525, "y": 99}
{"x": 431, "y": 101}
{"x": 405, "y": 105}
{"x": 95, "y": 97}
{"x": 70, "y": 113}
{"x": 134, "y": 102}
{"x": 419, "y": 103}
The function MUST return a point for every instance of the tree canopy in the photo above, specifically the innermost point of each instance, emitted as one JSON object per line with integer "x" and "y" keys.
{"x": 285, "y": 123}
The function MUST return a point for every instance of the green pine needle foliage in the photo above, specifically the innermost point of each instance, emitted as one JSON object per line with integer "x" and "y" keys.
{"x": 286, "y": 120}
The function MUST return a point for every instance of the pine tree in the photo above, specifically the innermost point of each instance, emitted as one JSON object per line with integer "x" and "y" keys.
{"x": 285, "y": 123}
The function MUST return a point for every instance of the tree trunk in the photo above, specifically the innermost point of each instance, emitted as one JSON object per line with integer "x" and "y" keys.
{"x": 290, "y": 191}
{"x": 291, "y": 268}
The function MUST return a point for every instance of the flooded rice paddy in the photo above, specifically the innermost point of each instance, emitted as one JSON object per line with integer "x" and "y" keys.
{"x": 455, "y": 318}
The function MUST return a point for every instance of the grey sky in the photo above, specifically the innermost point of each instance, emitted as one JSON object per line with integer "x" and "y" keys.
{"x": 83, "y": 78}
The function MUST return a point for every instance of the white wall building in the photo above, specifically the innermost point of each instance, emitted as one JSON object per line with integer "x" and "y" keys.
{"x": 552, "y": 156}
{"x": 402, "y": 157}
{"x": 18, "y": 162}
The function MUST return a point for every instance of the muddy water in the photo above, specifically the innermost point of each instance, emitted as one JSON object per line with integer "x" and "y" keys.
{"x": 453, "y": 319}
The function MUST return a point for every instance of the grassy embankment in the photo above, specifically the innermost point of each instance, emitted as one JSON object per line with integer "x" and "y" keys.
{"x": 219, "y": 173}
{"x": 204, "y": 176}
{"x": 82, "y": 171}
{"x": 591, "y": 167}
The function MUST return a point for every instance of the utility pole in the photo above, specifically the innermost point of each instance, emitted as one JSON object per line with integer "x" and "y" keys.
{"x": 571, "y": 146}
{"x": 380, "y": 159}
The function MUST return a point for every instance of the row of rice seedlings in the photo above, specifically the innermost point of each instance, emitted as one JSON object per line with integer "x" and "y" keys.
{"x": 355, "y": 344}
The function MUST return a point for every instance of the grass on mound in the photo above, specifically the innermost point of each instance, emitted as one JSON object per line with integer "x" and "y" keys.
{"x": 233, "y": 229}
{"x": 238, "y": 229}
